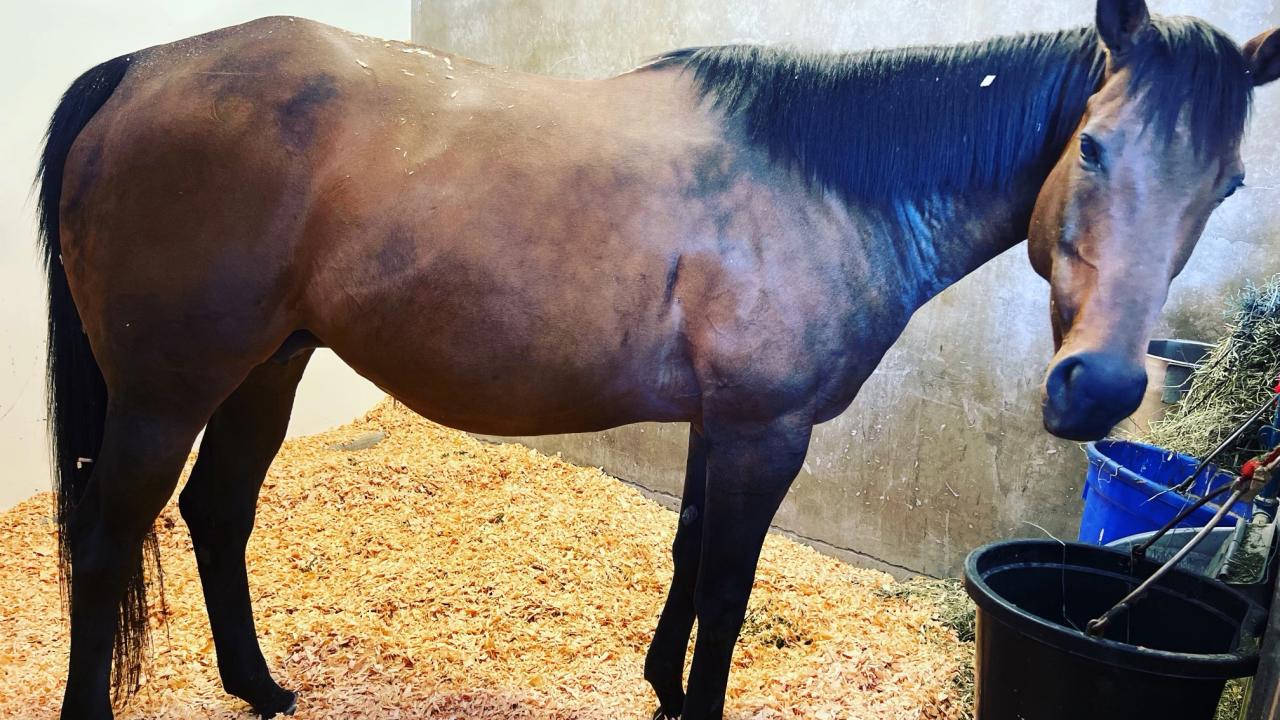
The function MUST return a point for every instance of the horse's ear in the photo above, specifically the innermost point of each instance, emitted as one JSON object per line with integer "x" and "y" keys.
{"x": 1122, "y": 23}
{"x": 1263, "y": 55}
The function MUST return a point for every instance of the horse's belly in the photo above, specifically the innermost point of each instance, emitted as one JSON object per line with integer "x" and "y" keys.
{"x": 518, "y": 361}
{"x": 461, "y": 387}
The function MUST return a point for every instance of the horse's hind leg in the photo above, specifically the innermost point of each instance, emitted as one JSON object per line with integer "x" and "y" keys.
{"x": 664, "y": 665}
{"x": 144, "y": 446}
{"x": 218, "y": 505}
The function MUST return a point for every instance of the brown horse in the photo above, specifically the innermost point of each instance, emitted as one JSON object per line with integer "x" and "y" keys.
{"x": 730, "y": 237}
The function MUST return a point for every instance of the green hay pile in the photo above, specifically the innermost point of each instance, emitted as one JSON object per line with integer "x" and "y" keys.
{"x": 1235, "y": 380}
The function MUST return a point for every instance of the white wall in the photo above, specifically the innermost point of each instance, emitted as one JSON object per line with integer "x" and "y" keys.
{"x": 44, "y": 45}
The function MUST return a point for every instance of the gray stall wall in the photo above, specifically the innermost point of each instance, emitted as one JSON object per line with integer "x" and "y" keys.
{"x": 943, "y": 450}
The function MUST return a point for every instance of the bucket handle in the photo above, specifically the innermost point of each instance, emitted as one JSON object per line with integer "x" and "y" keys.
{"x": 1098, "y": 626}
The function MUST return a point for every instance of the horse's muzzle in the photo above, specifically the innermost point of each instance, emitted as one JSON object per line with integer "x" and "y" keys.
{"x": 1087, "y": 394}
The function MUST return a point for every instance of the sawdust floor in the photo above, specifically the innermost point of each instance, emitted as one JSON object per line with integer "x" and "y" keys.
{"x": 436, "y": 576}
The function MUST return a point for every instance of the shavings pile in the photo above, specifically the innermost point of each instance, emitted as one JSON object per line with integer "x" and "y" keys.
{"x": 436, "y": 576}
{"x": 1236, "y": 378}
{"x": 953, "y": 608}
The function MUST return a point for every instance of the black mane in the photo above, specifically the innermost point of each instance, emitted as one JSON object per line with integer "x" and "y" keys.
{"x": 883, "y": 124}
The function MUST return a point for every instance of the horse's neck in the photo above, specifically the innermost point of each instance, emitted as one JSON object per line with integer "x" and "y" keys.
{"x": 937, "y": 241}
{"x": 945, "y": 178}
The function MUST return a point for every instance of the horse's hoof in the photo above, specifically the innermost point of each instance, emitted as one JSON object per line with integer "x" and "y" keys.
{"x": 660, "y": 715}
{"x": 287, "y": 704}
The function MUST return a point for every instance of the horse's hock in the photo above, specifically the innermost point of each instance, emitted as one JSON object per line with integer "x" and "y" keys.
{"x": 944, "y": 448}
{"x": 436, "y": 576}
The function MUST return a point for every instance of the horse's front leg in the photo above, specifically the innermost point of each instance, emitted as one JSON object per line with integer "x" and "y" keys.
{"x": 664, "y": 665}
{"x": 750, "y": 466}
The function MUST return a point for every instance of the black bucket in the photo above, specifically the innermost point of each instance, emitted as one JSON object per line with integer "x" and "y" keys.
{"x": 1168, "y": 658}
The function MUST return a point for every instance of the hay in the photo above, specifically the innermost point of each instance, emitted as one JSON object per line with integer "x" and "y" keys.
{"x": 1237, "y": 377}
{"x": 435, "y": 576}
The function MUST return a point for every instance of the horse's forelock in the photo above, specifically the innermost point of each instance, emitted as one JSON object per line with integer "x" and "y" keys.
{"x": 1188, "y": 66}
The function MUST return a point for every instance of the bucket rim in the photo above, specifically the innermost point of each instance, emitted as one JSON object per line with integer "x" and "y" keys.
{"x": 1216, "y": 666}
{"x": 1174, "y": 361}
{"x": 1158, "y": 493}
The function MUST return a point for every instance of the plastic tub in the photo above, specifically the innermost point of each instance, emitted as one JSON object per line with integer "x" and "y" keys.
{"x": 1125, "y": 491}
{"x": 1169, "y": 657}
{"x": 1169, "y": 365}
{"x": 1173, "y": 362}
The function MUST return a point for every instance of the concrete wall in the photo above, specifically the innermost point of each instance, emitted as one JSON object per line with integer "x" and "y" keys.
{"x": 943, "y": 449}
{"x": 45, "y": 46}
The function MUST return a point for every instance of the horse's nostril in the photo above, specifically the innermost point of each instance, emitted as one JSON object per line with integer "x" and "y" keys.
{"x": 1075, "y": 372}
{"x": 1068, "y": 373}
{"x": 1088, "y": 393}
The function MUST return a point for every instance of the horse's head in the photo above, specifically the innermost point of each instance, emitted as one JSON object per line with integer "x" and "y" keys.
{"x": 1158, "y": 149}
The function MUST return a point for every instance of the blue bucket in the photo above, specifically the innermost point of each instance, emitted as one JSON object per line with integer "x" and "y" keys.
{"x": 1123, "y": 491}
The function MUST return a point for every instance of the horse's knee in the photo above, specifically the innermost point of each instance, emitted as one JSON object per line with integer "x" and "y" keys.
{"x": 218, "y": 503}
{"x": 687, "y": 545}
{"x": 720, "y": 611}
{"x": 102, "y": 558}
{"x": 95, "y": 555}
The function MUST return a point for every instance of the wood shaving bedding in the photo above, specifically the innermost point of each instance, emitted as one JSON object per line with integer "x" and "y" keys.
{"x": 436, "y": 576}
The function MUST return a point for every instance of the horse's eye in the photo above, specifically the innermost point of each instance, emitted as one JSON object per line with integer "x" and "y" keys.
{"x": 1090, "y": 152}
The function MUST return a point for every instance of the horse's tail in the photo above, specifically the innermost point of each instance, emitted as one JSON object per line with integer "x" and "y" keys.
{"x": 75, "y": 390}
